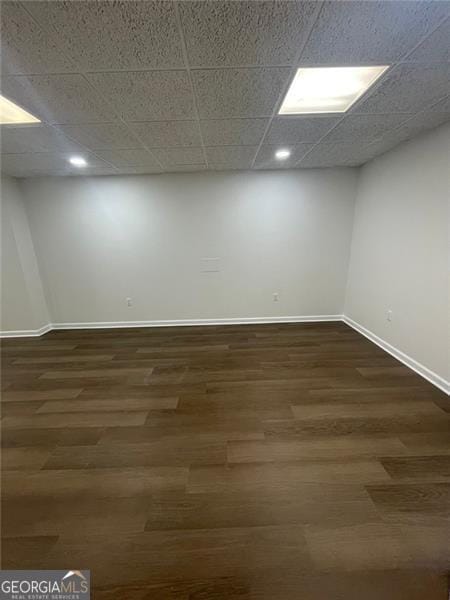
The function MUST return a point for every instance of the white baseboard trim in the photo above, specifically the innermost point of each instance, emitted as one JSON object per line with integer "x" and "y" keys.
{"x": 193, "y": 322}
{"x": 168, "y": 323}
{"x": 413, "y": 364}
{"x": 18, "y": 333}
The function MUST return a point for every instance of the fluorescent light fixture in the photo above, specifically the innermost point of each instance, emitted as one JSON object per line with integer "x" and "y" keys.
{"x": 282, "y": 154}
{"x": 328, "y": 89}
{"x": 11, "y": 114}
{"x": 77, "y": 161}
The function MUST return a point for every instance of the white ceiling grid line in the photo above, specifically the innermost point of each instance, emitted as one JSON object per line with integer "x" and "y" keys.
{"x": 291, "y": 75}
{"x": 186, "y": 62}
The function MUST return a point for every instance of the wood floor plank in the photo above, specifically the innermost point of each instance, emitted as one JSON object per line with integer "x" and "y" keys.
{"x": 104, "y": 483}
{"x": 357, "y": 547}
{"x": 84, "y": 419}
{"x": 436, "y": 468}
{"x": 383, "y": 409}
{"x": 327, "y": 447}
{"x": 24, "y": 458}
{"x": 28, "y": 395}
{"x": 112, "y": 405}
{"x": 254, "y": 476}
{"x": 16, "y": 438}
{"x": 309, "y": 503}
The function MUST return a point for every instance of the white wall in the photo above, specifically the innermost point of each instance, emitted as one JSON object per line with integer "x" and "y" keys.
{"x": 102, "y": 239}
{"x": 23, "y": 306}
{"x": 400, "y": 250}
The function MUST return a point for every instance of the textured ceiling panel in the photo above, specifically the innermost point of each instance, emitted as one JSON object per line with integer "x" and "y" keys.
{"x": 340, "y": 154}
{"x": 231, "y": 157}
{"x": 188, "y": 168}
{"x": 145, "y": 170}
{"x": 408, "y": 88}
{"x": 298, "y": 130}
{"x": 45, "y": 163}
{"x": 98, "y": 136}
{"x": 238, "y": 92}
{"x": 40, "y": 52}
{"x": 266, "y": 156}
{"x": 132, "y": 35}
{"x": 129, "y": 158}
{"x": 64, "y": 98}
{"x": 244, "y": 33}
{"x": 164, "y": 86}
{"x": 415, "y": 126}
{"x": 147, "y": 96}
{"x": 229, "y": 132}
{"x": 362, "y": 33}
{"x": 177, "y": 157}
{"x": 443, "y": 106}
{"x": 35, "y": 138}
{"x": 436, "y": 47}
{"x": 366, "y": 128}
{"x": 157, "y": 134}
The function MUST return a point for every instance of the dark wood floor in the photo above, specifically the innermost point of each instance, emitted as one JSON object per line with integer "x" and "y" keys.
{"x": 241, "y": 463}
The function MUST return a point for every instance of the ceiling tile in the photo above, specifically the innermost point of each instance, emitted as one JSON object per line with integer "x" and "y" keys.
{"x": 66, "y": 98}
{"x": 223, "y": 93}
{"x": 159, "y": 134}
{"x": 114, "y": 35}
{"x": 408, "y": 88}
{"x": 230, "y": 157}
{"x": 98, "y": 136}
{"x": 136, "y": 157}
{"x": 363, "y": 33}
{"x": 419, "y": 124}
{"x": 35, "y": 138}
{"x": 88, "y": 172}
{"x": 435, "y": 48}
{"x": 266, "y": 156}
{"x": 298, "y": 130}
{"x": 147, "y": 96}
{"x": 345, "y": 154}
{"x": 244, "y": 33}
{"x": 186, "y": 168}
{"x": 367, "y": 128}
{"x": 47, "y": 163}
{"x": 229, "y": 132}
{"x": 25, "y": 47}
{"x": 139, "y": 170}
{"x": 176, "y": 157}
{"x": 441, "y": 106}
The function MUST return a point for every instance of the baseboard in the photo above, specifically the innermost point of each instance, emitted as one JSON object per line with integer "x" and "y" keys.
{"x": 413, "y": 364}
{"x": 18, "y": 333}
{"x": 168, "y": 323}
{"x": 193, "y": 322}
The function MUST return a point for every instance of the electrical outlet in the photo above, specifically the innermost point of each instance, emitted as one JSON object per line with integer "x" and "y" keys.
{"x": 275, "y": 296}
{"x": 129, "y": 301}
{"x": 389, "y": 315}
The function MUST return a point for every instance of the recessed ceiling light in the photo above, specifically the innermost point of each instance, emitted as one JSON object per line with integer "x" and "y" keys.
{"x": 282, "y": 154}
{"x": 77, "y": 161}
{"x": 11, "y": 114}
{"x": 328, "y": 89}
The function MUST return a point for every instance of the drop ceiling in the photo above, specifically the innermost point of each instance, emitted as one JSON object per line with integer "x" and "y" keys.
{"x": 152, "y": 87}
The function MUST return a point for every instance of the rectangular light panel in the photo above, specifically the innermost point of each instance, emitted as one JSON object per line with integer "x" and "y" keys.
{"x": 328, "y": 89}
{"x": 11, "y": 114}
